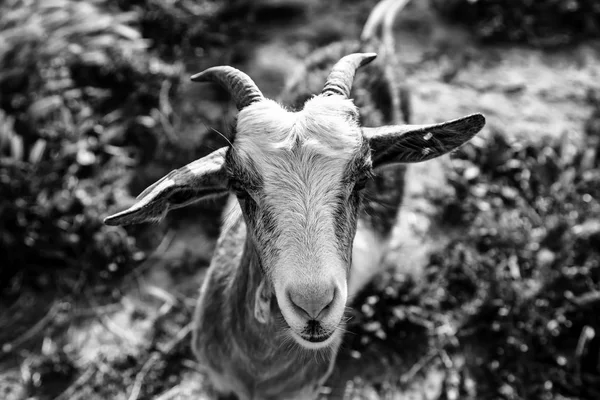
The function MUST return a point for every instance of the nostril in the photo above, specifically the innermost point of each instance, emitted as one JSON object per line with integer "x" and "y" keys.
{"x": 328, "y": 305}
{"x": 324, "y": 310}
{"x": 310, "y": 303}
{"x": 296, "y": 303}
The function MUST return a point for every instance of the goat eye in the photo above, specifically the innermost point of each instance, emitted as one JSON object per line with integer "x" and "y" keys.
{"x": 239, "y": 190}
{"x": 242, "y": 194}
{"x": 360, "y": 183}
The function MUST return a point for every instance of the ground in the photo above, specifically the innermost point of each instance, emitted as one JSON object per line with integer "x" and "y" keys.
{"x": 133, "y": 343}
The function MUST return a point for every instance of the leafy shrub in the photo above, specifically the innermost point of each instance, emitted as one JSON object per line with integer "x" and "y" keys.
{"x": 519, "y": 284}
{"x": 538, "y": 22}
{"x": 532, "y": 245}
{"x": 181, "y": 28}
{"x": 176, "y": 27}
{"x": 77, "y": 85}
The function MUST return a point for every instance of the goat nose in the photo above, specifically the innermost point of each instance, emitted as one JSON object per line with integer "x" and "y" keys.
{"x": 312, "y": 301}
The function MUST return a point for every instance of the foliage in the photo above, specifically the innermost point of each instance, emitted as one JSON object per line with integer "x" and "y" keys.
{"x": 77, "y": 85}
{"x": 180, "y": 29}
{"x": 518, "y": 285}
{"x": 532, "y": 245}
{"x": 175, "y": 28}
{"x": 538, "y": 22}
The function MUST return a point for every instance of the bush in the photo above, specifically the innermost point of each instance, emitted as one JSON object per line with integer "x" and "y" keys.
{"x": 177, "y": 27}
{"x": 532, "y": 245}
{"x": 78, "y": 86}
{"x": 538, "y": 22}
{"x": 519, "y": 283}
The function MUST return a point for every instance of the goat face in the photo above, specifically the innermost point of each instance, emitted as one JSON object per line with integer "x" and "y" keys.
{"x": 297, "y": 177}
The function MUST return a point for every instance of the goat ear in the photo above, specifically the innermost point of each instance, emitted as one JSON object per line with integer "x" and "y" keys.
{"x": 198, "y": 180}
{"x": 417, "y": 143}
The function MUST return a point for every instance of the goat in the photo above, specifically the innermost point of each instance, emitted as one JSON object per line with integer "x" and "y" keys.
{"x": 268, "y": 322}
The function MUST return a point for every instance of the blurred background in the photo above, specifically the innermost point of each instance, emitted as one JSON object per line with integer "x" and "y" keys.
{"x": 503, "y": 300}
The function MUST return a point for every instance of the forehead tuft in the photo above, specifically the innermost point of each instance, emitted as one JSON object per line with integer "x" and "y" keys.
{"x": 326, "y": 125}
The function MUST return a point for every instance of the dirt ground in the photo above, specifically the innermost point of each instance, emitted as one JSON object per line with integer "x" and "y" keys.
{"x": 524, "y": 93}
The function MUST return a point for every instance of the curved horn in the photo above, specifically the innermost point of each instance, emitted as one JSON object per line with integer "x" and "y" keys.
{"x": 240, "y": 86}
{"x": 341, "y": 76}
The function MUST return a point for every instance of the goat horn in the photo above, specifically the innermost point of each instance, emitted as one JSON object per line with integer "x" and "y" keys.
{"x": 341, "y": 76}
{"x": 240, "y": 86}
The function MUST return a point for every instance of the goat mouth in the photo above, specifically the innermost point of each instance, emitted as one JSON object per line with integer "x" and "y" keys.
{"x": 316, "y": 338}
{"x": 314, "y": 342}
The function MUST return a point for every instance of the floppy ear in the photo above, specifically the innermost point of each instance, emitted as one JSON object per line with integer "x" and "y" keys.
{"x": 417, "y": 143}
{"x": 198, "y": 180}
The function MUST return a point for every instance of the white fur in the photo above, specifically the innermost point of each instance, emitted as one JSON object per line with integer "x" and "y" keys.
{"x": 302, "y": 157}
{"x": 324, "y": 125}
